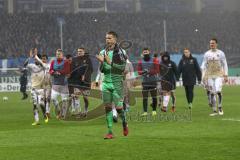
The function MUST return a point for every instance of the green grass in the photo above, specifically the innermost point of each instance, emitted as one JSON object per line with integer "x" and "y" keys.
{"x": 203, "y": 138}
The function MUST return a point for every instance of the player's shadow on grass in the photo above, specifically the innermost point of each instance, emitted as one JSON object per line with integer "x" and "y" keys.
{"x": 133, "y": 115}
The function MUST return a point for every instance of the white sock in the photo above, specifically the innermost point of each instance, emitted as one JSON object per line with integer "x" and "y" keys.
{"x": 73, "y": 105}
{"x": 64, "y": 108}
{"x": 55, "y": 103}
{"x": 47, "y": 107}
{"x": 127, "y": 107}
{"x": 166, "y": 101}
{"x": 214, "y": 103}
{"x": 36, "y": 117}
{"x": 114, "y": 112}
{"x": 77, "y": 105}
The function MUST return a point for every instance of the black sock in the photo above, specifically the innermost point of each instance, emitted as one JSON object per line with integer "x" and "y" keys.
{"x": 173, "y": 99}
{"x": 219, "y": 100}
{"x": 86, "y": 103}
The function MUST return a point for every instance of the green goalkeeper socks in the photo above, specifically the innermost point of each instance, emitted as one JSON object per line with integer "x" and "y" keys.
{"x": 109, "y": 118}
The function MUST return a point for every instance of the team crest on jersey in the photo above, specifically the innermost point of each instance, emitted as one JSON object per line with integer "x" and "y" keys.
{"x": 170, "y": 65}
{"x": 191, "y": 61}
{"x": 84, "y": 61}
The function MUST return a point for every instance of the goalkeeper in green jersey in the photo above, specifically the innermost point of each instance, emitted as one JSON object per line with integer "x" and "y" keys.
{"x": 113, "y": 62}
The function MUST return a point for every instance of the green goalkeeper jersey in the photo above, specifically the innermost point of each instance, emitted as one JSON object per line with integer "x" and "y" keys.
{"x": 108, "y": 69}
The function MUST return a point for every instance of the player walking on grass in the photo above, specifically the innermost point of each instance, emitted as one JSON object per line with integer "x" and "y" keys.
{"x": 148, "y": 67}
{"x": 37, "y": 79}
{"x": 169, "y": 75}
{"x": 190, "y": 70}
{"x": 80, "y": 79}
{"x": 59, "y": 70}
{"x": 113, "y": 61}
{"x": 214, "y": 72}
{"x": 23, "y": 82}
{"x": 46, "y": 85}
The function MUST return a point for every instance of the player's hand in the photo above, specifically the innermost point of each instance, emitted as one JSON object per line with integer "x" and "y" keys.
{"x": 225, "y": 78}
{"x": 31, "y": 53}
{"x": 125, "y": 72}
{"x": 57, "y": 73}
{"x": 145, "y": 72}
{"x": 107, "y": 59}
{"x": 68, "y": 75}
{"x": 100, "y": 58}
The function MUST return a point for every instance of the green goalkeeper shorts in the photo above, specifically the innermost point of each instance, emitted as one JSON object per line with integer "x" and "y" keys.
{"x": 113, "y": 93}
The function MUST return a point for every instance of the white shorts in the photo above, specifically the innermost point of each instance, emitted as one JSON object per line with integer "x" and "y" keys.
{"x": 55, "y": 94}
{"x": 37, "y": 96}
{"x": 214, "y": 85}
{"x": 47, "y": 93}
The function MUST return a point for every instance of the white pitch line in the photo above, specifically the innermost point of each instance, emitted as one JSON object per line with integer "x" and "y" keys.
{"x": 231, "y": 119}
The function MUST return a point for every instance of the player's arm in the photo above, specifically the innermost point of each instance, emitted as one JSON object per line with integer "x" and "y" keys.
{"x": 131, "y": 69}
{"x": 51, "y": 70}
{"x": 119, "y": 65}
{"x": 139, "y": 67}
{"x": 90, "y": 66}
{"x": 25, "y": 64}
{"x": 180, "y": 66}
{"x": 40, "y": 61}
{"x": 175, "y": 71}
{"x": 98, "y": 77}
{"x": 66, "y": 69}
{"x": 197, "y": 70}
{"x": 203, "y": 67}
{"x": 225, "y": 67}
{"x": 155, "y": 69}
{"x": 100, "y": 56}
{"x": 89, "y": 69}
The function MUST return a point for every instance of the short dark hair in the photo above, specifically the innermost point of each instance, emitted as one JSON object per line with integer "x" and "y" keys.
{"x": 44, "y": 55}
{"x": 82, "y": 48}
{"x": 214, "y": 39}
{"x": 68, "y": 56}
{"x": 113, "y": 33}
{"x": 39, "y": 56}
{"x": 145, "y": 48}
{"x": 59, "y": 50}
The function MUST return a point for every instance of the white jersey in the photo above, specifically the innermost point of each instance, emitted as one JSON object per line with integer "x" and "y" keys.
{"x": 129, "y": 70}
{"x": 47, "y": 76}
{"x": 99, "y": 77}
{"x": 37, "y": 75}
{"x": 214, "y": 64}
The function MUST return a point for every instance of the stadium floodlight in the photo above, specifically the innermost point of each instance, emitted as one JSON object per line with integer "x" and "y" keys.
{"x": 165, "y": 35}
{"x": 61, "y": 21}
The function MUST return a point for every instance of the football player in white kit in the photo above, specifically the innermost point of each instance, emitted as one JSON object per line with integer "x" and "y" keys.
{"x": 37, "y": 79}
{"x": 46, "y": 86}
{"x": 214, "y": 72}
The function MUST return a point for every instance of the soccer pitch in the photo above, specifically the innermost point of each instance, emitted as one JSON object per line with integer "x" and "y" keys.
{"x": 203, "y": 138}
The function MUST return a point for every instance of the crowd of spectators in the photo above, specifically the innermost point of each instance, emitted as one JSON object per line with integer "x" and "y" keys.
{"x": 20, "y": 32}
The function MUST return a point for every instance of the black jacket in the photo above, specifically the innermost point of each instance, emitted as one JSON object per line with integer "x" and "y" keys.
{"x": 168, "y": 70}
{"x": 190, "y": 70}
{"x": 81, "y": 66}
{"x": 23, "y": 78}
